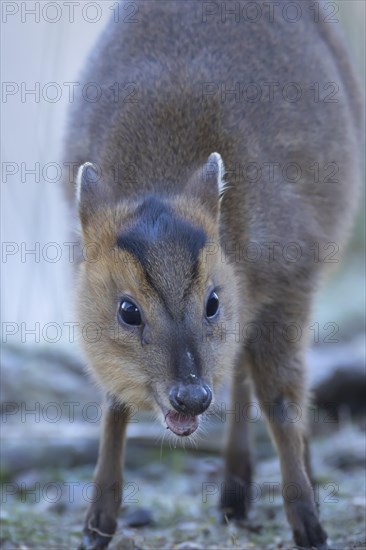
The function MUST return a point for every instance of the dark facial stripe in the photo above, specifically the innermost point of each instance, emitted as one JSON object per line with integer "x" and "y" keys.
{"x": 157, "y": 232}
{"x": 185, "y": 360}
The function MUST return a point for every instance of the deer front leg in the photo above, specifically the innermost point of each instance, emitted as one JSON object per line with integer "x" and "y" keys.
{"x": 235, "y": 495}
{"x": 277, "y": 369}
{"x": 298, "y": 494}
{"x": 101, "y": 518}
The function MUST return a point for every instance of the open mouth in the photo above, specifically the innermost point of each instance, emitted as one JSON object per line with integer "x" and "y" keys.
{"x": 181, "y": 424}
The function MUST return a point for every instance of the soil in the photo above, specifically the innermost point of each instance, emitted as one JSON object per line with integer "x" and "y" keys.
{"x": 176, "y": 492}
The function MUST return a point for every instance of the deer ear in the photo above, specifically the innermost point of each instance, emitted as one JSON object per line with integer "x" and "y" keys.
{"x": 215, "y": 171}
{"x": 91, "y": 191}
{"x": 207, "y": 183}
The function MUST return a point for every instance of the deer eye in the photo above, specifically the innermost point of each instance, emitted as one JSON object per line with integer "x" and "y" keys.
{"x": 212, "y": 305}
{"x": 129, "y": 313}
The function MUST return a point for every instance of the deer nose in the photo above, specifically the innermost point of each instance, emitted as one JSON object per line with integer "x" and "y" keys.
{"x": 190, "y": 399}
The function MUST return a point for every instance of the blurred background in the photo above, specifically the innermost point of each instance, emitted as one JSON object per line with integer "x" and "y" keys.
{"x": 45, "y": 439}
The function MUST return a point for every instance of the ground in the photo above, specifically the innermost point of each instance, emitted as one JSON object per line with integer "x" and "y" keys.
{"x": 180, "y": 489}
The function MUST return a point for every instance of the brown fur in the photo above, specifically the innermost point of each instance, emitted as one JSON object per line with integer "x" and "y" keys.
{"x": 146, "y": 367}
{"x": 170, "y": 55}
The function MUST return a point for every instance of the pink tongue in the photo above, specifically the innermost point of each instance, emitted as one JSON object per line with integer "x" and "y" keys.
{"x": 181, "y": 424}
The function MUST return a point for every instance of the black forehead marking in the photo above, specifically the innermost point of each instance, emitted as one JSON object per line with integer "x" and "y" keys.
{"x": 157, "y": 232}
{"x": 156, "y": 225}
